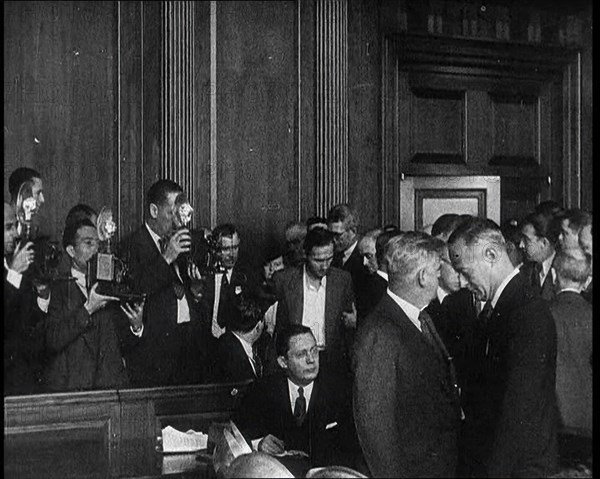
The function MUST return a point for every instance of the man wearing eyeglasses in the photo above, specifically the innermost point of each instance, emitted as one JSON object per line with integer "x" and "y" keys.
{"x": 298, "y": 411}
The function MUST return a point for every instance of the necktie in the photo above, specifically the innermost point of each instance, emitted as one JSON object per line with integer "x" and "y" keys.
{"x": 485, "y": 314}
{"x": 257, "y": 363}
{"x": 300, "y": 407}
{"x": 431, "y": 334}
{"x": 179, "y": 290}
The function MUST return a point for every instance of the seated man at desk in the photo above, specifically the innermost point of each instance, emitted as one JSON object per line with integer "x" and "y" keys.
{"x": 299, "y": 409}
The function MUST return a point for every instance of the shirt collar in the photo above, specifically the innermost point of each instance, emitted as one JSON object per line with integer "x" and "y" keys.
{"x": 154, "y": 236}
{"x": 246, "y": 345}
{"x": 547, "y": 264}
{"x": 574, "y": 290}
{"x": 349, "y": 251}
{"x": 441, "y": 294}
{"x": 307, "y": 391}
{"x": 503, "y": 285}
{"x": 409, "y": 309}
{"x": 384, "y": 275}
{"x": 309, "y": 282}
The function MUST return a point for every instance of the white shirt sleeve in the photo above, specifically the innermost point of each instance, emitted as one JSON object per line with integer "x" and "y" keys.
{"x": 14, "y": 278}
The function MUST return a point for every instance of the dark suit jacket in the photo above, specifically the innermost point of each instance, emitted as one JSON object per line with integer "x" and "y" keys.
{"x": 405, "y": 409}
{"x": 167, "y": 353}
{"x": 266, "y": 409}
{"x": 289, "y": 285}
{"x": 510, "y": 427}
{"x": 232, "y": 363}
{"x": 243, "y": 280}
{"x": 360, "y": 278}
{"x": 546, "y": 290}
{"x": 84, "y": 352}
{"x": 374, "y": 289}
{"x": 23, "y": 339}
{"x": 573, "y": 318}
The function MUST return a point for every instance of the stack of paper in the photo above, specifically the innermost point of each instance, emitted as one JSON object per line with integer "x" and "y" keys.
{"x": 177, "y": 441}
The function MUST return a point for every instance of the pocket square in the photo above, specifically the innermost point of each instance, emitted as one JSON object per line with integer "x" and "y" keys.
{"x": 331, "y": 425}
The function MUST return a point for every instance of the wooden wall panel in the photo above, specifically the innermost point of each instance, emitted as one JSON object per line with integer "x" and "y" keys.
{"x": 256, "y": 119}
{"x": 60, "y": 112}
{"x": 364, "y": 111}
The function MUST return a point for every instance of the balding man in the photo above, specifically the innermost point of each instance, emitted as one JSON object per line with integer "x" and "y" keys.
{"x": 405, "y": 401}
{"x": 510, "y": 424}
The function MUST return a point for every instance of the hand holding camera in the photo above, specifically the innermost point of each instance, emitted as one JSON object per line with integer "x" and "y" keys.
{"x": 97, "y": 301}
{"x": 23, "y": 257}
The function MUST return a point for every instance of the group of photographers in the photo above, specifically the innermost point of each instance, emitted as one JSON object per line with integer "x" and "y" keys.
{"x": 64, "y": 333}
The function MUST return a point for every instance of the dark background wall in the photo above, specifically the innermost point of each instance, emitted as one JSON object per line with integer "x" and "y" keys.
{"x": 83, "y": 103}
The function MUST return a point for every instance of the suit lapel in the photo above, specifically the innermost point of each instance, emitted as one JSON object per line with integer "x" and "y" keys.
{"x": 297, "y": 296}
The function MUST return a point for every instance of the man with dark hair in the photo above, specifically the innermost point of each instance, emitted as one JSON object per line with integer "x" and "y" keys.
{"x": 175, "y": 333}
{"x": 510, "y": 424}
{"x": 571, "y": 223}
{"x": 405, "y": 398}
{"x": 318, "y": 296}
{"x": 24, "y": 314}
{"x": 83, "y": 328}
{"x": 222, "y": 288}
{"x": 237, "y": 357}
{"x": 20, "y": 176}
{"x": 343, "y": 223}
{"x": 299, "y": 408}
{"x": 539, "y": 238}
{"x": 512, "y": 235}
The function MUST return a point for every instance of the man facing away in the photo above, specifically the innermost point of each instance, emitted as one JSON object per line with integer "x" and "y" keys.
{"x": 510, "y": 423}
{"x": 405, "y": 399}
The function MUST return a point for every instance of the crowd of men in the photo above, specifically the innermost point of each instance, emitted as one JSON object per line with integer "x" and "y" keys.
{"x": 463, "y": 352}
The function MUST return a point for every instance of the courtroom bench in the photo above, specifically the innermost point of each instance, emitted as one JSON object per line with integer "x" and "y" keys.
{"x": 110, "y": 433}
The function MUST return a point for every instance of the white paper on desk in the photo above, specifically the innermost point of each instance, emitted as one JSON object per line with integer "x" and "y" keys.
{"x": 291, "y": 452}
{"x": 177, "y": 441}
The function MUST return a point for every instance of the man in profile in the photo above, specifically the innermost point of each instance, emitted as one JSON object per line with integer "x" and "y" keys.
{"x": 510, "y": 424}
{"x": 405, "y": 401}
{"x": 300, "y": 408}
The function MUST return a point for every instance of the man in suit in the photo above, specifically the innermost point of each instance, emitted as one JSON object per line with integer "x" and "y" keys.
{"x": 24, "y": 313}
{"x": 238, "y": 358}
{"x": 539, "y": 237}
{"x": 405, "y": 400}
{"x": 223, "y": 288}
{"x": 299, "y": 408}
{"x": 174, "y": 346}
{"x": 82, "y": 328}
{"x": 343, "y": 223}
{"x": 573, "y": 318}
{"x": 510, "y": 428}
{"x": 321, "y": 297}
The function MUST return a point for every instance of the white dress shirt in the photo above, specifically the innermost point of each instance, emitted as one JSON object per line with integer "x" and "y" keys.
{"x": 313, "y": 310}
{"x": 183, "y": 308}
{"x": 348, "y": 252}
{"x": 441, "y": 294}
{"x": 409, "y": 309}
{"x": 293, "y": 391}
{"x": 547, "y": 268}
{"x": 384, "y": 275}
{"x": 217, "y": 331}
{"x": 15, "y": 278}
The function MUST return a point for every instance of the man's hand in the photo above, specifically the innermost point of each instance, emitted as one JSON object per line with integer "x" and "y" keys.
{"x": 134, "y": 314}
{"x": 97, "y": 301}
{"x": 349, "y": 319}
{"x": 41, "y": 289}
{"x": 179, "y": 243}
{"x": 271, "y": 445}
{"x": 197, "y": 281}
{"x": 22, "y": 257}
